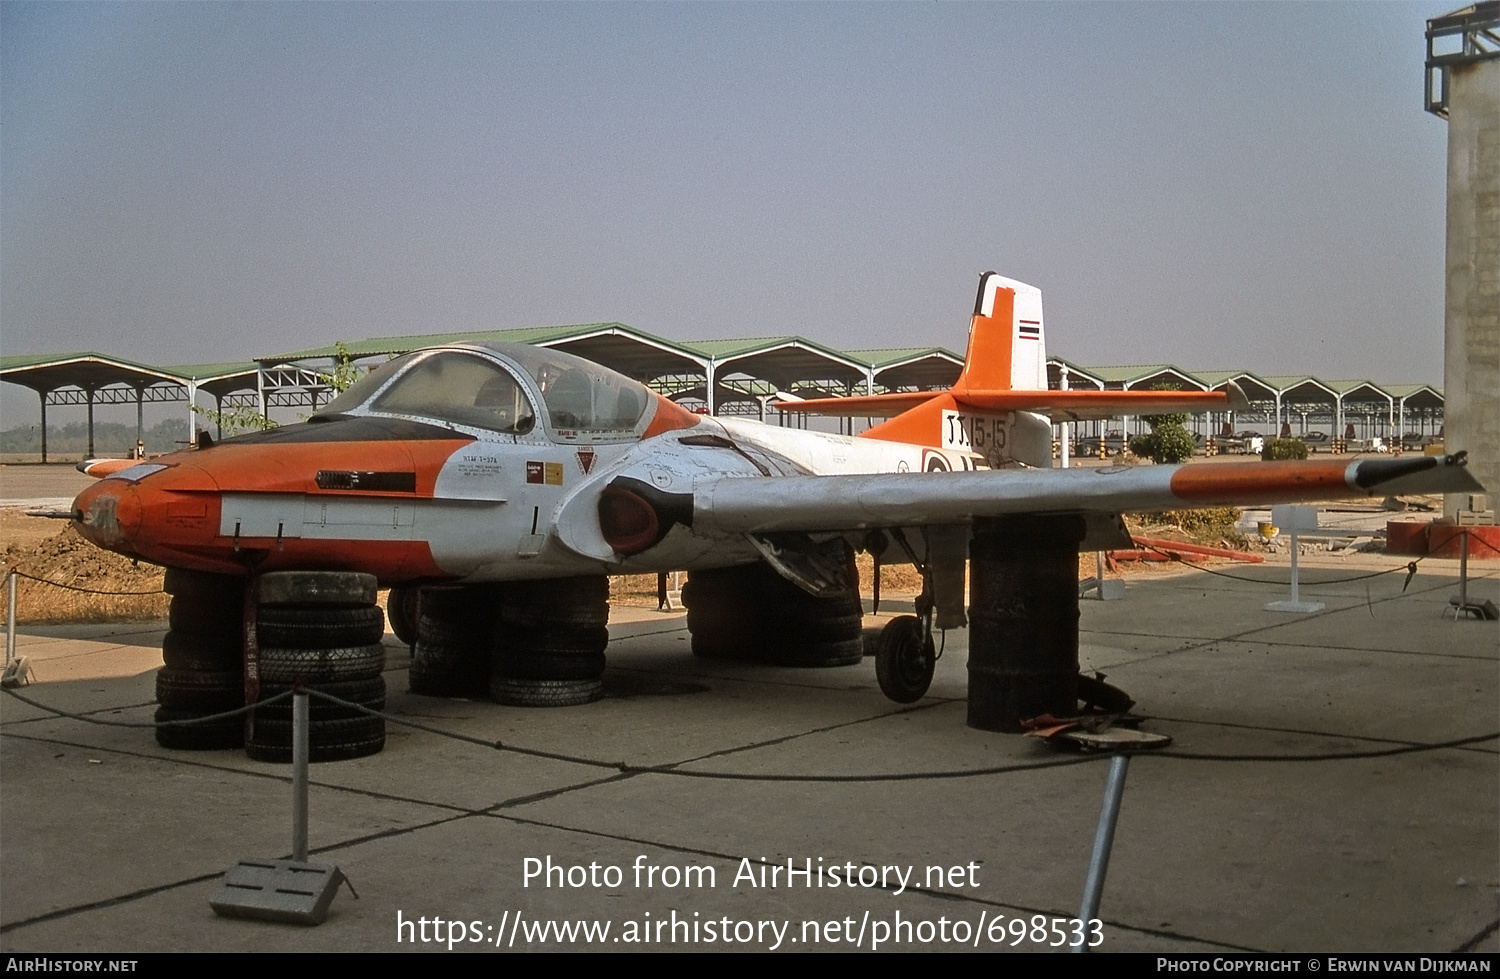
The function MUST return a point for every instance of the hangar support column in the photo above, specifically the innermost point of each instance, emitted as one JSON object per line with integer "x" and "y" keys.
{"x": 1463, "y": 86}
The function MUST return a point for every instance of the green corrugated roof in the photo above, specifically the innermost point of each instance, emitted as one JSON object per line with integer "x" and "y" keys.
{"x": 381, "y": 346}
{"x": 1407, "y": 390}
{"x": 42, "y": 360}
{"x": 1216, "y": 377}
{"x": 1347, "y": 385}
{"x": 722, "y": 349}
{"x": 204, "y": 372}
{"x": 1130, "y": 373}
{"x": 881, "y": 357}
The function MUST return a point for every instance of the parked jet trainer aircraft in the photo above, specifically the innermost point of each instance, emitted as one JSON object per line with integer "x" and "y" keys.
{"x": 482, "y": 463}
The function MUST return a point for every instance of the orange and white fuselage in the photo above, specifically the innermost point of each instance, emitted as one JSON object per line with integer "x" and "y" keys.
{"x": 492, "y": 462}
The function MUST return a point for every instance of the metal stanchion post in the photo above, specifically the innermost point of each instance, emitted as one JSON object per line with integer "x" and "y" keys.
{"x": 1104, "y": 838}
{"x": 284, "y": 890}
{"x": 300, "y": 712}
{"x": 10, "y": 617}
{"x": 1463, "y": 573}
{"x": 1296, "y": 604}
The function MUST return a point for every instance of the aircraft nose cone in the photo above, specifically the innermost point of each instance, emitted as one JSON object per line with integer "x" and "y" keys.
{"x": 108, "y": 513}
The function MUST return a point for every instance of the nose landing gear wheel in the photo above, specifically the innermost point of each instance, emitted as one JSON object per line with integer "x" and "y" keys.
{"x": 904, "y": 659}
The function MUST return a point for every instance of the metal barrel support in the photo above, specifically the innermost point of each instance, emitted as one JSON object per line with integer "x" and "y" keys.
{"x": 1023, "y": 641}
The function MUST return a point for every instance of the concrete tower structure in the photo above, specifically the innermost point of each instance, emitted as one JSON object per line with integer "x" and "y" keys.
{"x": 1463, "y": 86}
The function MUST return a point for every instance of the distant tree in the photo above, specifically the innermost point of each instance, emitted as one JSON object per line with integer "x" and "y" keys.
{"x": 1169, "y": 440}
{"x": 1284, "y": 449}
{"x": 233, "y": 421}
{"x": 344, "y": 371}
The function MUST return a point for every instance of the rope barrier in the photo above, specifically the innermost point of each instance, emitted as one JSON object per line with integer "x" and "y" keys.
{"x": 628, "y": 769}
{"x": 1476, "y": 539}
{"x": 152, "y": 724}
{"x": 1409, "y": 567}
{"x": 90, "y": 591}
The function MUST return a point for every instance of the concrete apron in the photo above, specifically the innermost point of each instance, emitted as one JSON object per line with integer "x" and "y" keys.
{"x": 112, "y": 843}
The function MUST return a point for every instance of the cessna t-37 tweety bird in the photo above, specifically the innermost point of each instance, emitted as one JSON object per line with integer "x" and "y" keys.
{"x": 503, "y": 483}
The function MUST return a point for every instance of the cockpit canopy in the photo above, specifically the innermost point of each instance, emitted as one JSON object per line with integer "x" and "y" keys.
{"x": 471, "y": 387}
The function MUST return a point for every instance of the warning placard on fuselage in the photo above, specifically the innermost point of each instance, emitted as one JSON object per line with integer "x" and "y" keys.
{"x": 986, "y": 435}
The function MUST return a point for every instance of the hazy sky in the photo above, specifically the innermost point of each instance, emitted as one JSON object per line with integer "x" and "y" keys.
{"x": 1212, "y": 185}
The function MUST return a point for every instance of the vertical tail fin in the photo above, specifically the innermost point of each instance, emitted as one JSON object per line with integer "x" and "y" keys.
{"x": 1007, "y": 346}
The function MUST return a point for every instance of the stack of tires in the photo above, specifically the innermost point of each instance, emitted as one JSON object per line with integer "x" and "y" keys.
{"x": 452, "y": 654}
{"x": 751, "y": 614}
{"x": 321, "y": 629}
{"x": 203, "y": 674}
{"x": 548, "y": 642}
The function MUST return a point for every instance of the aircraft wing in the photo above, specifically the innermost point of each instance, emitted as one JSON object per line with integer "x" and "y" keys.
{"x": 1059, "y": 406}
{"x": 852, "y": 502}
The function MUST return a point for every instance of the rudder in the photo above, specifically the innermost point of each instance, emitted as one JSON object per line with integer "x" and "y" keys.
{"x": 1007, "y": 345}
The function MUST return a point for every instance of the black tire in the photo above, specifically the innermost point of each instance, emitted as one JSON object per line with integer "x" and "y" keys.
{"x": 829, "y": 628}
{"x": 271, "y": 732}
{"x": 717, "y": 584}
{"x": 1098, "y": 695}
{"x": 316, "y": 588}
{"x": 452, "y": 654}
{"x": 727, "y": 648}
{"x": 401, "y": 612}
{"x": 721, "y": 613}
{"x": 752, "y": 614}
{"x": 286, "y": 666}
{"x": 185, "y": 651}
{"x": 200, "y": 617}
{"x": 526, "y": 665}
{"x": 200, "y": 585}
{"x": 191, "y": 690}
{"x": 545, "y": 693}
{"x": 439, "y": 670}
{"x": 818, "y": 655}
{"x": 366, "y": 693}
{"x": 461, "y": 602}
{"x": 337, "y": 740}
{"x": 904, "y": 660}
{"x": 550, "y": 642}
{"x": 213, "y": 736}
{"x": 282, "y": 755}
{"x": 557, "y": 603}
{"x": 319, "y": 628}
{"x": 721, "y": 619}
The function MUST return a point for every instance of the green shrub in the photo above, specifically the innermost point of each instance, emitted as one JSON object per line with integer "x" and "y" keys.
{"x": 1284, "y": 449}
{"x": 1208, "y": 526}
{"x": 1168, "y": 442}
